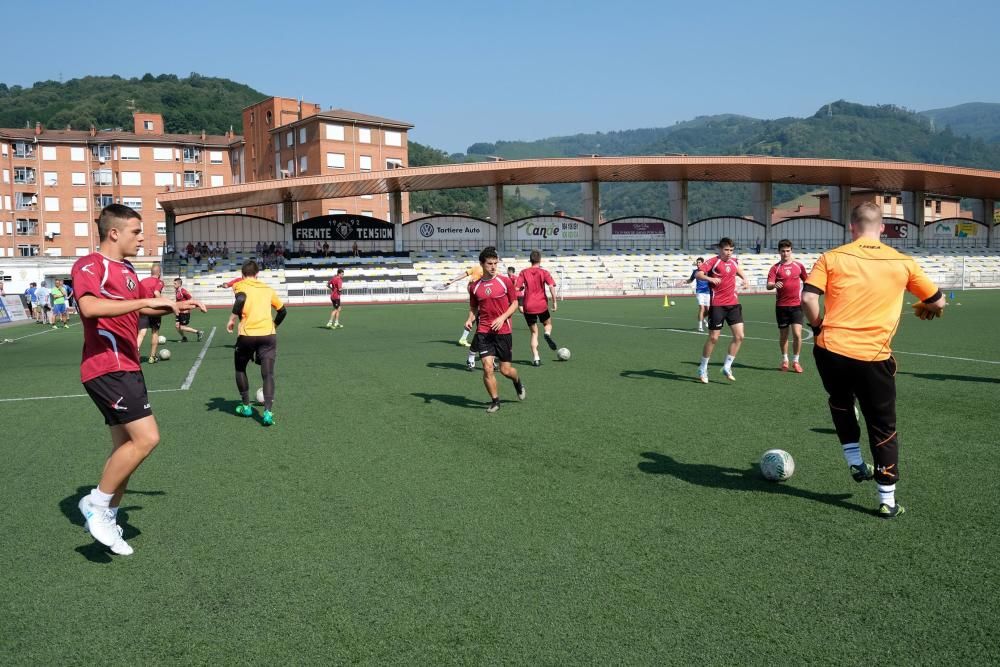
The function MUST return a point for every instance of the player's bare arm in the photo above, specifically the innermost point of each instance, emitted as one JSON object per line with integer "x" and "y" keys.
{"x": 93, "y": 307}
{"x": 701, "y": 275}
{"x": 810, "y": 308}
{"x": 555, "y": 304}
{"x": 498, "y": 322}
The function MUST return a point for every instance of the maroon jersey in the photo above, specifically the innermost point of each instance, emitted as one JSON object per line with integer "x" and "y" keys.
{"x": 336, "y": 284}
{"x": 533, "y": 281}
{"x": 150, "y": 286}
{"x": 181, "y": 294}
{"x": 109, "y": 343}
{"x": 492, "y": 297}
{"x": 791, "y": 276}
{"x": 723, "y": 294}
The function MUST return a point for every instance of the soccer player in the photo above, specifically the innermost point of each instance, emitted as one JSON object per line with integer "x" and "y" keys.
{"x": 110, "y": 301}
{"x": 183, "y": 320}
{"x": 58, "y": 295}
{"x": 335, "y": 284}
{"x": 863, "y": 283}
{"x": 702, "y": 294}
{"x": 257, "y": 339}
{"x": 721, "y": 272}
{"x": 492, "y": 301}
{"x": 473, "y": 273}
{"x": 534, "y": 304}
{"x": 153, "y": 288}
{"x": 786, "y": 277}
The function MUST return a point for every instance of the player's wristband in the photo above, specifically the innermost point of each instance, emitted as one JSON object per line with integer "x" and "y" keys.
{"x": 816, "y": 328}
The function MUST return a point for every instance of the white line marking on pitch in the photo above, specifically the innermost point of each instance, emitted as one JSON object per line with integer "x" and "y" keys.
{"x": 774, "y": 340}
{"x": 48, "y": 329}
{"x": 189, "y": 380}
{"x": 45, "y": 398}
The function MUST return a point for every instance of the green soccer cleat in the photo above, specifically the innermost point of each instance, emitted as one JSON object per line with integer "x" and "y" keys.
{"x": 268, "y": 418}
{"x": 244, "y": 410}
{"x": 863, "y": 472}
{"x": 886, "y": 512}
{"x": 329, "y": 325}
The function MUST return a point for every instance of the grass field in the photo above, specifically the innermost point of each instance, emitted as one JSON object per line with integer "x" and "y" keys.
{"x": 614, "y": 517}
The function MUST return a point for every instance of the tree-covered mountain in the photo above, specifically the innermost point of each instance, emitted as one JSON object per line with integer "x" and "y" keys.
{"x": 979, "y": 120}
{"x": 188, "y": 105}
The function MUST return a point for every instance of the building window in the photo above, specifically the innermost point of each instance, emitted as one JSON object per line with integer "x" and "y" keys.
{"x": 25, "y": 201}
{"x": 393, "y": 163}
{"x": 163, "y": 179}
{"x": 161, "y": 228}
{"x": 77, "y": 154}
{"x": 393, "y": 138}
{"x": 24, "y": 175}
{"x": 81, "y": 229}
{"x": 27, "y": 227}
{"x": 367, "y": 197}
{"x": 52, "y": 204}
{"x": 364, "y": 135}
{"x": 215, "y": 157}
{"x": 100, "y": 201}
{"x": 191, "y": 154}
{"x": 24, "y": 149}
{"x": 365, "y": 162}
{"x": 148, "y": 125}
{"x": 101, "y": 152}
{"x": 192, "y": 179}
{"x": 303, "y": 164}
{"x": 128, "y": 153}
{"x": 82, "y": 252}
{"x": 134, "y": 203}
{"x": 302, "y": 135}
{"x": 79, "y": 203}
{"x": 48, "y": 152}
{"x": 27, "y": 250}
{"x": 370, "y": 214}
{"x": 937, "y": 206}
{"x": 334, "y": 132}
{"x": 50, "y": 178}
{"x": 130, "y": 178}
{"x": 336, "y": 211}
{"x": 335, "y": 161}
{"x": 163, "y": 154}
{"x": 290, "y": 139}
{"x": 78, "y": 178}
{"x": 102, "y": 177}
{"x": 216, "y": 181}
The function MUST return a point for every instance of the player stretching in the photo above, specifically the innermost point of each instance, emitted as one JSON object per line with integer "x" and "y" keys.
{"x": 787, "y": 277}
{"x": 492, "y": 301}
{"x": 110, "y": 301}
{"x": 721, "y": 272}
{"x": 183, "y": 320}
{"x": 335, "y": 285}
{"x": 257, "y": 338}
{"x": 703, "y": 295}
{"x": 153, "y": 288}
{"x": 534, "y": 303}
{"x": 863, "y": 282}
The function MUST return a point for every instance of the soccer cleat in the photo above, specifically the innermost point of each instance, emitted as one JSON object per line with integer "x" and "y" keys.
{"x": 536, "y": 362}
{"x": 463, "y": 341}
{"x": 703, "y": 377}
{"x": 783, "y": 367}
{"x": 55, "y": 326}
{"x": 493, "y": 406}
{"x": 521, "y": 393}
{"x": 244, "y": 410}
{"x": 886, "y": 512}
{"x": 701, "y": 329}
{"x": 863, "y": 472}
{"x": 65, "y": 326}
{"x": 796, "y": 367}
{"x": 121, "y": 547}
{"x": 728, "y": 372}
{"x": 99, "y": 522}
{"x": 471, "y": 366}
{"x": 338, "y": 325}
{"x": 152, "y": 360}
{"x": 268, "y": 418}
{"x": 551, "y": 343}
{"x": 329, "y": 325}
{"x": 184, "y": 339}
{"x": 198, "y": 334}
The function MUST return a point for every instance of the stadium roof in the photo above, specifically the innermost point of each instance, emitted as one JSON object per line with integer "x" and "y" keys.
{"x": 887, "y": 176}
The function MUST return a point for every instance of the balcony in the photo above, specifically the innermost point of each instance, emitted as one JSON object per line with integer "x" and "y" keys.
{"x": 25, "y": 201}
{"x": 192, "y": 154}
{"x": 24, "y": 150}
{"x": 192, "y": 179}
{"x": 24, "y": 176}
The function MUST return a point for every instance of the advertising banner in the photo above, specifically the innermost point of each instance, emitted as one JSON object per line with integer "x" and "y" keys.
{"x": 343, "y": 227}
{"x": 551, "y": 229}
{"x": 11, "y": 309}
{"x": 895, "y": 230}
{"x": 637, "y": 230}
{"x": 455, "y": 229}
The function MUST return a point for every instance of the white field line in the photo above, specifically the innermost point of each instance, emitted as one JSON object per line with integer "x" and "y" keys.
{"x": 48, "y": 329}
{"x": 189, "y": 380}
{"x": 45, "y": 398}
{"x": 774, "y": 340}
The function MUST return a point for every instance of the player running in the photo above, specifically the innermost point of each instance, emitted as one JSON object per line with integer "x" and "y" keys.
{"x": 492, "y": 301}
{"x": 257, "y": 339}
{"x": 721, "y": 272}
{"x": 110, "y": 301}
{"x": 786, "y": 277}
{"x": 534, "y": 304}
{"x": 702, "y": 294}
{"x": 335, "y": 285}
{"x": 153, "y": 288}
{"x": 183, "y": 320}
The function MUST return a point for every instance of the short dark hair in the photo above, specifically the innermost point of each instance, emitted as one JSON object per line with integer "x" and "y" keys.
{"x": 112, "y": 216}
{"x": 489, "y": 252}
{"x": 784, "y": 243}
{"x": 178, "y": 280}
{"x": 339, "y": 271}
{"x": 250, "y": 268}
{"x": 700, "y": 260}
{"x": 536, "y": 256}
{"x": 511, "y": 269}
{"x": 726, "y": 241}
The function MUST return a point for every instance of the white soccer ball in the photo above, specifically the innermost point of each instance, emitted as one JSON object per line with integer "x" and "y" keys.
{"x": 260, "y": 395}
{"x": 161, "y": 340}
{"x": 673, "y": 303}
{"x": 563, "y": 353}
{"x": 777, "y": 465}
{"x": 163, "y": 354}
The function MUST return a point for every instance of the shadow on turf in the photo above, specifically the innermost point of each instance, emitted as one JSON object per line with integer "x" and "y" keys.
{"x": 824, "y": 431}
{"x": 446, "y": 365}
{"x": 94, "y": 551}
{"x": 942, "y": 377}
{"x": 450, "y": 399}
{"x": 226, "y": 405}
{"x": 659, "y": 375}
{"x": 737, "y": 479}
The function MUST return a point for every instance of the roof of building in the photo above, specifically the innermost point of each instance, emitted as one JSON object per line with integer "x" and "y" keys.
{"x": 115, "y": 136}
{"x": 352, "y": 117}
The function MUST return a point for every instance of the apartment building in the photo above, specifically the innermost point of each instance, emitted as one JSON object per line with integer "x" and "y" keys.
{"x": 285, "y": 138}
{"x": 54, "y": 183}
{"x": 936, "y": 207}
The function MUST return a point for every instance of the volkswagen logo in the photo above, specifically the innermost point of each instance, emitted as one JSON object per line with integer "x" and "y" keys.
{"x": 427, "y": 230}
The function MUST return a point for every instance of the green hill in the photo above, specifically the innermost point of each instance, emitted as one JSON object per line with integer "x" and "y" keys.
{"x": 979, "y": 120}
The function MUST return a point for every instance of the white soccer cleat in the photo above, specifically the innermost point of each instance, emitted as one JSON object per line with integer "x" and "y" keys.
{"x": 100, "y": 522}
{"x": 703, "y": 377}
{"x": 121, "y": 547}
{"x": 729, "y": 374}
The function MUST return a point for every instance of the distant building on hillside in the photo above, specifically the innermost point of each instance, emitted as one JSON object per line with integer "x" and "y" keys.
{"x": 936, "y": 207}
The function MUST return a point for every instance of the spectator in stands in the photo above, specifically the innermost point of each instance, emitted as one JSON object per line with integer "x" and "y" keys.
{"x": 355, "y": 251}
{"x": 271, "y": 249}
{"x": 326, "y": 249}
{"x": 318, "y": 249}
{"x": 279, "y": 256}
{"x": 302, "y": 248}
{"x": 225, "y": 250}
{"x": 197, "y": 254}
{"x": 259, "y": 249}
{"x": 183, "y": 256}
{"x": 170, "y": 249}
{"x": 190, "y": 249}
{"x": 757, "y": 247}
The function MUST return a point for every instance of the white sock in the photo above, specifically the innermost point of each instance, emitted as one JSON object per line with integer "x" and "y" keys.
{"x": 704, "y": 365}
{"x": 465, "y": 334}
{"x": 887, "y": 494}
{"x": 784, "y": 358}
{"x": 728, "y": 363}
{"x": 852, "y": 454}
{"x": 537, "y": 358}
{"x": 795, "y": 358}
{"x": 99, "y": 498}
{"x": 472, "y": 357}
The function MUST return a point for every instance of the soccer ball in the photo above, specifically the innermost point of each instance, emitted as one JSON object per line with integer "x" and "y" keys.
{"x": 777, "y": 465}
{"x": 563, "y": 353}
{"x": 161, "y": 340}
{"x": 163, "y": 354}
{"x": 260, "y": 395}
{"x": 673, "y": 303}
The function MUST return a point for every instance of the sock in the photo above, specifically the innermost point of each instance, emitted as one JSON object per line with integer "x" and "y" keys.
{"x": 784, "y": 358}
{"x": 465, "y": 334}
{"x": 472, "y": 357}
{"x": 99, "y": 498}
{"x": 703, "y": 367}
{"x": 245, "y": 397}
{"x": 495, "y": 399}
{"x": 795, "y": 358}
{"x": 728, "y": 363}
{"x": 537, "y": 358}
{"x": 887, "y": 494}
{"x": 517, "y": 385}
{"x": 329, "y": 322}
{"x": 852, "y": 454}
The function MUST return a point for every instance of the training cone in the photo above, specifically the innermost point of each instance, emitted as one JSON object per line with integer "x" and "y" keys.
{"x": 666, "y": 301}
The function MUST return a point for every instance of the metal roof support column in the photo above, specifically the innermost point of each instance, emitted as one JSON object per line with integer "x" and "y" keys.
{"x": 592, "y": 210}
{"x": 171, "y": 229}
{"x": 840, "y": 208}
{"x": 494, "y": 193}
{"x": 677, "y": 197}
{"x": 286, "y": 210}
{"x": 396, "y": 216}
{"x": 913, "y": 211}
{"x": 762, "y": 206}
{"x": 982, "y": 210}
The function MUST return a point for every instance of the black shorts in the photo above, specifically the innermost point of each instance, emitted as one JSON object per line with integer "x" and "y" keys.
{"x": 149, "y": 322}
{"x": 335, "y": 303}
{"x": 717, "y": 315}
{"x": 542, "y": 317}
{"x": 493, "y": 345}
{"x": 787, "y": 315}
{"x": 184, "y": 319}
{"x": 255, "y": 348}
{"x": 120, "y": 396}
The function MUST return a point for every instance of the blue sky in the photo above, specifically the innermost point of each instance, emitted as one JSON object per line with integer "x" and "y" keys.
{"x": 463, "y": 72}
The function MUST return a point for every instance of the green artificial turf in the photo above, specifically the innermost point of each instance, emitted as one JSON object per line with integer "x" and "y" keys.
{"x": 614, "y": 517}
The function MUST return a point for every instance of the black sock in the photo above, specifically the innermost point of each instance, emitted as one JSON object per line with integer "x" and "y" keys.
{"x": 517, "y": 385}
